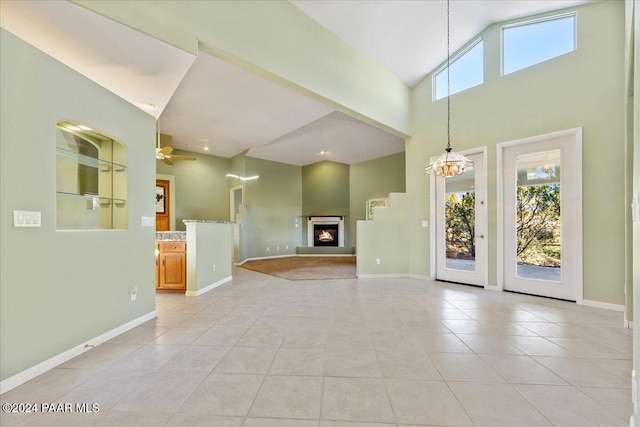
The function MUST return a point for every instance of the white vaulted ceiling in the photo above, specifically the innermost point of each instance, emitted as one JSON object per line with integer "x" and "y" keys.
{"x": 408, "y": 37}
{"x": 130, "y": 64}
{"x": 207, "y": 101}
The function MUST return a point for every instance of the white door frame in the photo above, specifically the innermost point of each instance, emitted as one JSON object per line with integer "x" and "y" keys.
{"x": 232, "y": 200}
{"x": 577, "y": 134}
{"x": 483, "y": 243}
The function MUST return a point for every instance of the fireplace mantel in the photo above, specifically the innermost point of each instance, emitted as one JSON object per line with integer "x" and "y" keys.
{"x": 319, "y": 220}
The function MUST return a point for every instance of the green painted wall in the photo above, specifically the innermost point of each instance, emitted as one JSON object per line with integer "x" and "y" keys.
{"x": 325, "y": 191}
{"x": 61, "y": 289}
{"x": 584, "y": 89}
{"x": 379, "y": 240}
{"x": 272, "y": 205}
{"x": 373, "y": 179}
{"x": 208, "y": 245}
{"x": 278, "y": 41}
{"x": 202, "y": 190}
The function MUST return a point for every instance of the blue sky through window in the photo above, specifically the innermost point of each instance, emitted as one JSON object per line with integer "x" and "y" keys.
{"x": 529, "y": 44}
{"x": 465, "y": 72}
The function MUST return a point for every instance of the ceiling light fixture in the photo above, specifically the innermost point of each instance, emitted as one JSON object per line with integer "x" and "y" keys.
{"x": 450, "y": 163}
{"x": 242, "y": 178}
{"x": 206, "y": 148}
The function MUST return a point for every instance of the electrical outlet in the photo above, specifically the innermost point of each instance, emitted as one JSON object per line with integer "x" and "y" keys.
{"x": 287, "y": 247}
{"x": 277, "y": 248}
{"x": 378, "y": 261}
{"x": 214, "y": 267}
{"x": 133, "y": 293}
{"x": 267, "y": 248}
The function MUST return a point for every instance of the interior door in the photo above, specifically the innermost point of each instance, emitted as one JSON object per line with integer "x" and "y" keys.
{"x": 542, "y": 217}
{"x": 461, "y": 225}
{"x": 163, "y": 206}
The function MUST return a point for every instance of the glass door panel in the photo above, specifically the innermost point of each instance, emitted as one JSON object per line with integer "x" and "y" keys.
{"x": 460, "y": 221}
{"x": 538, "y": 220}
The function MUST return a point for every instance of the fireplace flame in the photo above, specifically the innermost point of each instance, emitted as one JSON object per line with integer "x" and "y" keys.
{"x": 325, "y": 236}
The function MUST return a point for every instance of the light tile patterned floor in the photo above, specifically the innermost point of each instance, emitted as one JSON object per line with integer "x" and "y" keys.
{"x": 266, "y": 352}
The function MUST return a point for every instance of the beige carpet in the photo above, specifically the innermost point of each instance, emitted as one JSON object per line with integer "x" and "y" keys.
{"x": 306, "y": 267}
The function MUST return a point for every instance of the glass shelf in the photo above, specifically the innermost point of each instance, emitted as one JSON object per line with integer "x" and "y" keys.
{"x": 103, "y": 165}
{"x": 100, "y": 200}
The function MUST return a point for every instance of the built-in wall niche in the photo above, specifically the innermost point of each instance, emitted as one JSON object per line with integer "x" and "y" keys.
{"x": 91, "y": 179}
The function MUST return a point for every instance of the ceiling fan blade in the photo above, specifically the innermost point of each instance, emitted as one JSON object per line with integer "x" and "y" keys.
{"x": 165, "y": 150}
{"x": 179, "y": 157}
{"x": 167, "y": 161}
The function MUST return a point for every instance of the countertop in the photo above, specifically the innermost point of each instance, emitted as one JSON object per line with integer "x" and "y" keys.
{"x": 170, "y": 236}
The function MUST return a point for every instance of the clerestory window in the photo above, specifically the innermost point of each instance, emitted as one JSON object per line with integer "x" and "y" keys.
{"x": 466, "y": 70}
{"x": 529, "y": 43}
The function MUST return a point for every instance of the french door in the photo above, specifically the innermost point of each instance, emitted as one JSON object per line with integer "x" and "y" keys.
{"x": 461, "y": 225}
{"x": 541, "y": 215}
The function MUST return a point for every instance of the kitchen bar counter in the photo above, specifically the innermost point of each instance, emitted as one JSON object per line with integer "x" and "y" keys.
{"x": 171, "y": 236}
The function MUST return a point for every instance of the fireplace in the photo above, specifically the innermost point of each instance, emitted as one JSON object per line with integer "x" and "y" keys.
{"x": 325, "y": 231}
{"x": 325, "y": 235}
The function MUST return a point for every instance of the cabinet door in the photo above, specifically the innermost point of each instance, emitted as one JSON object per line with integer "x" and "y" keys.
{"x": 172, "y": 271}
{"x": 173, "y": 265}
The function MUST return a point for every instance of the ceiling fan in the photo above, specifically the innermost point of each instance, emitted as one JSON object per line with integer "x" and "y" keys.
{"x": 165, "y": 155}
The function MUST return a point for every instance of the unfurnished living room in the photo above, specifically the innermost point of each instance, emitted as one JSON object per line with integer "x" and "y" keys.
{"x": 367, "y": 213}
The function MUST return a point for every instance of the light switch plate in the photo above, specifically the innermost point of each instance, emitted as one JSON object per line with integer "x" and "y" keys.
{"x": 147, "y": 221}
{"x": 425, "y": 223}
{"x": 27, "y": 219}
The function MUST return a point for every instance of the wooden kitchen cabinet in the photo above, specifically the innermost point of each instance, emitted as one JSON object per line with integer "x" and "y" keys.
{"x": 171, "y": 265}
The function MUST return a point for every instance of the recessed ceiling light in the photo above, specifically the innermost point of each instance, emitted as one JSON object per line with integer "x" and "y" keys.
{"x": 206, "y": 148}
{"x": 323, "y": 153}
{"x": 148, "y": 105}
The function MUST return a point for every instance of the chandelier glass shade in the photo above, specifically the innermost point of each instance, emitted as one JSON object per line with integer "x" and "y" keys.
{"x": 450, "y": 163}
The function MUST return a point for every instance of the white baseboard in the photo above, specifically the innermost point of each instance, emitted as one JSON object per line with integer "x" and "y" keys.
{"x": 264, "y": 257}
{"x": 382, "y": 276}
{"x": 42, "y": 367}
{"x": 605, "y": 305}
{"x": 237, "y": 264}
{"x": 317, "y": 255}
{"x": 208, "y": 288}
{"x": 627, "y": 323}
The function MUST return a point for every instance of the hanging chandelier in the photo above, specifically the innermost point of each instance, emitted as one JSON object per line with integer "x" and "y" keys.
{"x": 450, "y": 163}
